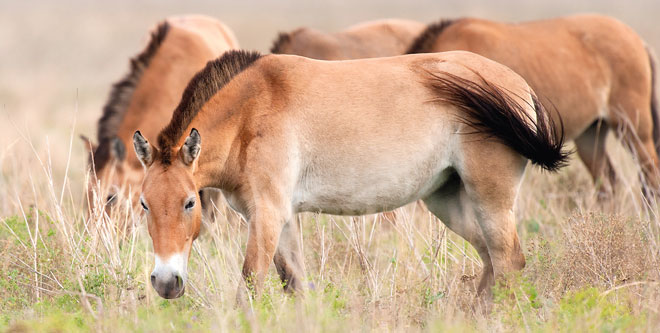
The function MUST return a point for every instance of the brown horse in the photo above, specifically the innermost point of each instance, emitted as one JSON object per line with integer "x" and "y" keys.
{"x": 382, "y": 38}
{"x": 286, "y": 134}
{"x": 596, "y": 71}
{"x": 179, "y": 47}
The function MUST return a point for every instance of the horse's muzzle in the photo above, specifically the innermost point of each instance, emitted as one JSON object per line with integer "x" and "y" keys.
{"x": 168, "y": 286}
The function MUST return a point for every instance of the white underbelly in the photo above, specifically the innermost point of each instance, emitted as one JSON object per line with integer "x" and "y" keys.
{"x": 394, "y": 153}
{"x": 368, "y": 189}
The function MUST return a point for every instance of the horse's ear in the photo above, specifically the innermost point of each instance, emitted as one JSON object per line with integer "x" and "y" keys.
{"x": 191, "y": 147}
{"x": 143, "y": 149}
{"x": 118, "y": 149}
{"x": 87, "y": 142}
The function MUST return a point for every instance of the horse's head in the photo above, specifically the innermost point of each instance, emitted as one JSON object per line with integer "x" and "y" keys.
{"x": 112, "y": 178}
{"x": 171, "y": 202}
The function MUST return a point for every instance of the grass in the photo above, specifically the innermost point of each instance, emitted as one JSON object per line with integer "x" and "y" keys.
{"x": 592, "y": 265}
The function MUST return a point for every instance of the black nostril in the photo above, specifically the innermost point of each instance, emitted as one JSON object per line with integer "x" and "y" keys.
{"x": 110, "y": 199}
{"x": 179, "y": 281}
{"x": 153, "y": 280}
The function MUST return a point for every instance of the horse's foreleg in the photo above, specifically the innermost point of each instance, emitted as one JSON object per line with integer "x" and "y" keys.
{"x": 265, "y": 226}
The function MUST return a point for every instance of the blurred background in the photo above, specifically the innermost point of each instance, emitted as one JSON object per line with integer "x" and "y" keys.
{"x": 58, "y": 59}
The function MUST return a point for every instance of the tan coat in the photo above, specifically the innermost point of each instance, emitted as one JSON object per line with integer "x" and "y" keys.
{"x": 382, "y": 38}
{"x": 284, "y": 134}
{"x": 595, "y": 71}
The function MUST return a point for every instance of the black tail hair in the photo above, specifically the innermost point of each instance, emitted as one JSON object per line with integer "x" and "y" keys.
{"x": 654, "y": 100}
{"x": 492, "y": 111}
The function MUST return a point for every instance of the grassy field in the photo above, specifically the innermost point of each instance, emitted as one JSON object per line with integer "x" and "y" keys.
{"x": 592, "y": 264}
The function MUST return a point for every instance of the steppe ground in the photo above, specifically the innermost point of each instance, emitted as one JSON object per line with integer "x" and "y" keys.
{"x": 591, "y": 264}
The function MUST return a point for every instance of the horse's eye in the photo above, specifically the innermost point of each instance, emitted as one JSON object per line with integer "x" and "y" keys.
{"x": 144, "y": 206}
{"x": 190, "y": 204}
{"x": 110, "y": 199}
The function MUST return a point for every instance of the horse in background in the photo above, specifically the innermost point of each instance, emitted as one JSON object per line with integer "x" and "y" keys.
{"x": 144, "y": 98}
{"x": 594, "y": 70}
{"x": 373, "y": 39}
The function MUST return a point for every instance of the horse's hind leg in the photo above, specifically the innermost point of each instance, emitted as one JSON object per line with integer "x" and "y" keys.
{"x": 644, "y": 150}
{"x": 635, "y": 127}
{"x": 592, "y": 151}
{"x": 491, "y": 174}
{"x": 288, "y": 258}
{"x": 452, "y": 206}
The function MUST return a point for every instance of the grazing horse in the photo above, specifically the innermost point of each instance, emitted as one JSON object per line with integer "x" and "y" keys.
{"x": 285, "y": 134}
{"x": 382, "y": 38}
{"x": 179, "y": 47}
{"x": 596, "y": 71}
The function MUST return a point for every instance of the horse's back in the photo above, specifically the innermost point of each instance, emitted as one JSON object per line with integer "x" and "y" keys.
{"x": 596, "y": 52}
{"x": 398, "y": 28}
{"x": 600, "y": 36}
{"x": 575, "y": 36}
{"x": 375, "y": 127}
{"x": 372, "y": 39}
{"x": 372, "y": 93}
{"x": 389, "y": 78}
{"x": 381, "y": 38}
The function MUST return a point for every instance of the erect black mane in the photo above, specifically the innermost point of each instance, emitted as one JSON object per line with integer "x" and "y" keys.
{"x": 424, "y": 42}
{"x": 200, "y": 89}
{"x": 282, "y": 39}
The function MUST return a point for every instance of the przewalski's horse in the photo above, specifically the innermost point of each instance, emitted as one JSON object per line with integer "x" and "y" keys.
{"x": 596, "y": 71}
{"x": 179, "y": 47}
{"x": 382, "y": 38}
{"x": 286, "y": 134}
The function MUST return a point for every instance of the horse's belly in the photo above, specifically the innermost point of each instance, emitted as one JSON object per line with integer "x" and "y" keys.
{"x": 369, "y": 192}
{"x": 394, "y": 153}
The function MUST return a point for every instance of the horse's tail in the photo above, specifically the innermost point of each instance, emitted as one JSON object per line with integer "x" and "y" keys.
{"x": 654, "y": 100}
{"x": 492, "y": 111}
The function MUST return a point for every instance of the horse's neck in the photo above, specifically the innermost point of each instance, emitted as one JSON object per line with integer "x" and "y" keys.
{"x": 220, "y": 123}
{"x": 215, "y": 166}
